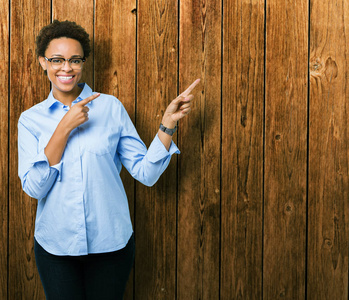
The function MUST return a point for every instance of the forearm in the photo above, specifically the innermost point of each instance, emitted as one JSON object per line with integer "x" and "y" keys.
{"x": 146, "y": 165}
{"x": 55, "y": 147}
{"x": 165, "y": 138}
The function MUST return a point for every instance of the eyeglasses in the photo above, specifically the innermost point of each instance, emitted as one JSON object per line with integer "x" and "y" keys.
{"x": 57, "y": 62}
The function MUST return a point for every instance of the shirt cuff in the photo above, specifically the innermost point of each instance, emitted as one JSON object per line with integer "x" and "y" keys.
{"x": 157, "y": 151}
{"x": 43, "y": 166}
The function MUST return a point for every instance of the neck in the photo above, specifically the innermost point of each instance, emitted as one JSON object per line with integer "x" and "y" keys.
{"x": 67, "y": 97}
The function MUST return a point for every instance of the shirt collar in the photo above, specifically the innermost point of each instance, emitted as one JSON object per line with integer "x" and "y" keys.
{"x": 86, "y": 92}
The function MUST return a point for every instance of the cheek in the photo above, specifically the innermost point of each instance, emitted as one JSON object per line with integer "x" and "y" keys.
{"x": 50, "y": 75}
{"x": 78, "y": 76}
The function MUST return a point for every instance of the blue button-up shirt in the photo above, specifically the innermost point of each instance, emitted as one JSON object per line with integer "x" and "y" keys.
{"x": 82, "y": 205}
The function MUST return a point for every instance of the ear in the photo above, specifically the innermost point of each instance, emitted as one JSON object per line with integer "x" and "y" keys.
{"x": 42, "y": 61}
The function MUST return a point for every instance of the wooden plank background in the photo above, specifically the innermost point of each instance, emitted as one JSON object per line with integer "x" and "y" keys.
{"x": 328, "y": 206}
{"x": 256, "y": 205}
{"x": 285, "y": 160}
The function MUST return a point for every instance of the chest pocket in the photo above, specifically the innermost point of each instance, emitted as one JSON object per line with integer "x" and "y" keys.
{"x": 96, "y": 139}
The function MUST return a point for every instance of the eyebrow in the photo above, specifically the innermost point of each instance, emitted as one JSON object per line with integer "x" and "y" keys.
{"x": 77, "y": 55}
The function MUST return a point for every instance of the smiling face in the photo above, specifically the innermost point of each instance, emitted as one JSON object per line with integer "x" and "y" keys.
{"x": 65, "y": 80}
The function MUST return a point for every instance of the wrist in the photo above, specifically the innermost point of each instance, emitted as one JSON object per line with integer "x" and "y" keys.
{"x": 170, "y": 124}
{"x": 63, "y": 129}
{"x": 169, "y": 131}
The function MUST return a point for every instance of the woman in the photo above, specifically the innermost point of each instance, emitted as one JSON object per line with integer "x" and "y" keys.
{"x": 71, "y": 149}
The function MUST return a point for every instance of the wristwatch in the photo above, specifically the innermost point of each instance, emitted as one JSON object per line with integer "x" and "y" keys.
{"x": 168, "y": 130}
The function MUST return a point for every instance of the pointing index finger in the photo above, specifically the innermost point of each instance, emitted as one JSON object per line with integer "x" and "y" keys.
{"x": 190, "y": 88}
{"x": 89, "y": 99}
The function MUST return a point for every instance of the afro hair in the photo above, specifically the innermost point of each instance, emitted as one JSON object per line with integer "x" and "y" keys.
{"x": 58, "y": 29}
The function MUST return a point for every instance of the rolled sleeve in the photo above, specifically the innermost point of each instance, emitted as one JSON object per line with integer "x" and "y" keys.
{"x": 40, "y": 177}
{"x": 44, "y": 168}
{"x": 37, "y": 176}
{"x": 157, "y": 151}
{"x": 145, "y": 165}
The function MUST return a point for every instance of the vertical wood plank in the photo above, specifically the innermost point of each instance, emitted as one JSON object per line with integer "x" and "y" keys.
{"x": 328, "y": 151}
{"x": 285, "y": 149}
{"x": 24, "y": 282}
{"x": 242, "y": 149}
{"x": 155, "y": 212}
{"x": 81, "y": 12}
{"x": 199, "y": 162}
{"x": 4, "y": 94}
{"x": 115, "y": 69}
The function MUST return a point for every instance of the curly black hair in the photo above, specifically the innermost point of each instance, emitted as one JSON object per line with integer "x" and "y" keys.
{"x": 58, "y": 29}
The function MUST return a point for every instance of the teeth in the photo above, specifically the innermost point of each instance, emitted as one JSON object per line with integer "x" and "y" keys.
{"x": 65, "y": 77}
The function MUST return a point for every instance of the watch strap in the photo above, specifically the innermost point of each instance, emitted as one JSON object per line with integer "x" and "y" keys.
{"x": 169, "y": 131}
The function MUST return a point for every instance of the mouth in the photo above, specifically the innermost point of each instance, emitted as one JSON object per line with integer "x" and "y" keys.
{"x": 65, "y": 79}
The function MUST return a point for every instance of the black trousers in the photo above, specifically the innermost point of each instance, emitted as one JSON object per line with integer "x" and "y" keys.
{"x": 89, "y": 277}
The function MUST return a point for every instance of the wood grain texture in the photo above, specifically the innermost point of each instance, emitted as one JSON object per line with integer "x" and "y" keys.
{"x": 24, "y": 282}
{"x": 242, "y": 149}
{"x": 81, "y": 12}
{"x": 115, "y": 69}
{"x": 224, "y": 238}
{"x": 328, "y": 153}
{"x": 155, "y": 212}
{"x": 285, "y": 150}
{"x": 4, "y": 94}
{"x": 199, "y": 162}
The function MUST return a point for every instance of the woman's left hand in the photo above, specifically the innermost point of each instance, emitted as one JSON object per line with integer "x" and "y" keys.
{"x": 179, "y": 107}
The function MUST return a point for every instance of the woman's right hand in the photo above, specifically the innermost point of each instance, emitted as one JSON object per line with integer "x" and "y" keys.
{"x": 78, "y": 114}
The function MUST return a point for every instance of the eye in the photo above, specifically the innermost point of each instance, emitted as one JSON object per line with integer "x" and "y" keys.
{"x": 76, "y": 61}
{"x": 57, "y": 60}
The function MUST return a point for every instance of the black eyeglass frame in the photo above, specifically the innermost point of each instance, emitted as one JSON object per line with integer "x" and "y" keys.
{"x": 66, "y": 59}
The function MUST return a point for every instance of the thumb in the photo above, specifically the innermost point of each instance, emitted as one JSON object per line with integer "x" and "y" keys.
{"x": 178, "y": 100}
{"x": 89, "y": 99}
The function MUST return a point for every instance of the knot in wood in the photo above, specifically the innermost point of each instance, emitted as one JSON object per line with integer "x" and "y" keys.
{"x": 243, "y": 120}
{"x": 288, "y": 208}
{"x": 316, "y": 67}
{"x": 29, "y": 58}
{"x": 282, "y": 293}
{"x": 320, "y": 67}
{"x": 331, "y": 69}
{"x": 327, "y": 243}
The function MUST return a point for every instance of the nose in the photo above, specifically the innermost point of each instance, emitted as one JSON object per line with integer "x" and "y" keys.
{"x": 66, "y": 66}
